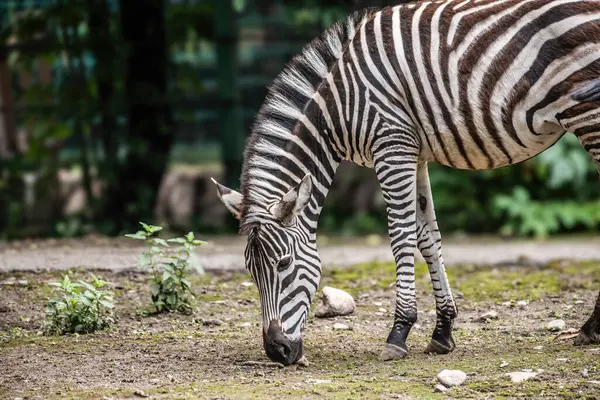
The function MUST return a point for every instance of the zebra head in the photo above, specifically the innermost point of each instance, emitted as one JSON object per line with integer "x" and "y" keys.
{"x": 283, "y": 262}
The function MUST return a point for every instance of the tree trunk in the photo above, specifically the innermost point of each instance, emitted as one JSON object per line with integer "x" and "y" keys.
{"x": 232, "y": 134}
{"x": 102, "y": 46}
{"x": 150, "y": 124}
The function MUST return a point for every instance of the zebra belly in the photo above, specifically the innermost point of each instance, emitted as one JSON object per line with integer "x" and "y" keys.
{"x": 468, "y": 154}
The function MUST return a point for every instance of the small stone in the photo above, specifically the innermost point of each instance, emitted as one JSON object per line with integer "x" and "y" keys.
{"x": 556, "y": 325}
{"x": 341, "y": 327}
{"x": 441, "y": 388}
{"x": 507, "y": 304}
{"x": 563, "y": 359}
{"x": 522, "y": 303}
{"x": 449, "y": 377}
{"x": 246, "y": 325}
{"x": 303, "y": 362}
{"x": 377, "y": 304}
{"x": 578, "y": 302}
{"x": 503, "y": 364}
{"x": 382, "y": 310}
{"x": 520, "y": 376}
{"x": 584, "y": 372}
{"x": 317, "y": 381}
{"x": 140, "y": 393}
{"x": 538, "y": 347}
{"x": 488, "y": 316}
{"x": 247, "y": 284}
{"x": 336, "y": 303}
{"x": 212, "y": 322}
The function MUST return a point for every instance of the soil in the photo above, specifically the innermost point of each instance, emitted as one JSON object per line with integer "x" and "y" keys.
{"x": 207, "y": 354}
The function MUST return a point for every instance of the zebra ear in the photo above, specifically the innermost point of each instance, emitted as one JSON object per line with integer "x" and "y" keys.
{"x": 231, "y": 199}
{"x": 293, "y": 201}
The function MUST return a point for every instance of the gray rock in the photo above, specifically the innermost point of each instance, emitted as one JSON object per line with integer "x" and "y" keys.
{"x": 441, "y": 388}
{"x": 212, "y": 322}
{"x": 520, "y": 376}
{"x": 303, "y": 362}
{"x": 336, "y": 303}
{"x": 450, "y": 377}
{"x": 522, "y": 303}
{"x": 556, "y": 325}
{"x": 341, "y": 327}
{"x": 488, "y": 316}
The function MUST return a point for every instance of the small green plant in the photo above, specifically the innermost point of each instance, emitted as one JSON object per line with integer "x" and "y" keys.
{"x": 171, "y": 290}
{"x": 80, "y": 308}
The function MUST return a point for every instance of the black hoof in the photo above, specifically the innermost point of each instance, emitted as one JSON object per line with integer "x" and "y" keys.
{"x": 392, "y": 352}
{"x": 584, "y": 338}
{"x": 590, "y": 331}
{"x": 437, "y": 347}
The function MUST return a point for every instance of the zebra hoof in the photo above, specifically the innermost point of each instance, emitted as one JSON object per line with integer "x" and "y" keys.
{"x": 392, "y": 352}
{"x": 584, "y": 339}
{"x": 435, "y": 347}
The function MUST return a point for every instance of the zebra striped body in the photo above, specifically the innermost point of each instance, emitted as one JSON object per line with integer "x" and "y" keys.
{"x": 475, "y": 84}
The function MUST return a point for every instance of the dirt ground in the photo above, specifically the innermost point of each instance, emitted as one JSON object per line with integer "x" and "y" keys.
{"x": 200, "y": 355}
{"x": 227, "y": 252}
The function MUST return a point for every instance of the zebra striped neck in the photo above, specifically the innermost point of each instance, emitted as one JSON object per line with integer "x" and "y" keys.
{"x": 288, "y": 140}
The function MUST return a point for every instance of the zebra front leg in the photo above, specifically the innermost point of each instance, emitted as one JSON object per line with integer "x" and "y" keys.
{"x": 429, "y": 242}
{"x": 397, "y": 177}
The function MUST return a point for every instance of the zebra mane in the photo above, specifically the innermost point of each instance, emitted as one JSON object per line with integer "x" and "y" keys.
{"x": 291, "y": 92}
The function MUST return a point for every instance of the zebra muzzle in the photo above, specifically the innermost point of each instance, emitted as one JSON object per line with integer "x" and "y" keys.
{"x": 278, "y": 347}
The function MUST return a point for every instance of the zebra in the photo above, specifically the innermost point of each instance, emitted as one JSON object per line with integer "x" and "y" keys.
{"x": 469, "y": 84}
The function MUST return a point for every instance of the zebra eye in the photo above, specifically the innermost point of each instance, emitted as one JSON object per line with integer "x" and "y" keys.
{"x": 285, "y": 262}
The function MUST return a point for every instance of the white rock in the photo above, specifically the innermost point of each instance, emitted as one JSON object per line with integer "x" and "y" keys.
{"x": 563, "y": 359}
{"x": 317, "y": 381}
{"x": 341, "y": 327}
{"x": 488, "y": 316}
{"x": 451, "y": 377}
{"x": 382, "y": 310}
{"x": 247, "y": 284}
{"x": 538, "y": 347}
{"x": 522, "y": 303}
{"x": 377, "y": 304}
{"x": 556, "y": 325}
{"x": 441, "y": 388}
{"x": 246, "y": 325}
{"x": 303, "y": 362}
{"x": 336, "y": 303}
{"x": 520, "y": 376}
{"x": 504, "y": 364}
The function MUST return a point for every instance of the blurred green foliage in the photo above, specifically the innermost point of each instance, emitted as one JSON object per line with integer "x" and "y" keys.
{"x": 556, "y": 192}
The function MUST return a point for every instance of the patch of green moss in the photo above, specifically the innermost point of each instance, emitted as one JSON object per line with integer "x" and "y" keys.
{"x": 367, "y": 276}
{"x": 208, "y": 297}
{"x": 498, "y": 284}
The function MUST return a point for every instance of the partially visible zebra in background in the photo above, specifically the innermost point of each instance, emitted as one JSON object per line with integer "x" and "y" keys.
{"x": 471, "y": 84}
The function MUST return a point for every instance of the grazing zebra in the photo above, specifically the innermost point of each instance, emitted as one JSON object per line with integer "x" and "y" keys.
{"x": 470, "y": 84}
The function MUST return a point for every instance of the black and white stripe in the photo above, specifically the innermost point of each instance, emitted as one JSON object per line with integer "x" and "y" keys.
{"x": 471, "y": 84}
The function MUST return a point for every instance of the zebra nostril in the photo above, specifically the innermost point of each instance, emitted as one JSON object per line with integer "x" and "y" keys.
{"x": 286, "y": 350}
